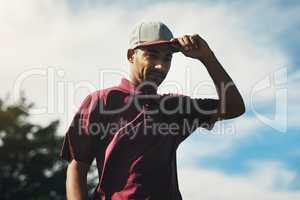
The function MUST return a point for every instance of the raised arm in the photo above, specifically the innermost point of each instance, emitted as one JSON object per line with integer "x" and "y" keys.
{"x": 231, "y": 103}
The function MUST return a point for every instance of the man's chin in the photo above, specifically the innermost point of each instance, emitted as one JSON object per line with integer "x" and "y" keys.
{"x": 150, "y": 85}
{"x": 154, "y": 82}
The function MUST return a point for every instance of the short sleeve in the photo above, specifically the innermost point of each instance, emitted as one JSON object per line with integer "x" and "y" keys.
{"x": 80, "y": 143}
{"x": 196, "y": 113}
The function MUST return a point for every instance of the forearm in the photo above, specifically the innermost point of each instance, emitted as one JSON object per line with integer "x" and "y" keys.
{"x": 231, "y": 102}
{"x": 76, "y": 183}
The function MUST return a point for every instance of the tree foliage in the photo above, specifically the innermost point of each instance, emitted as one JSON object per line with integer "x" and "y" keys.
{"x": 29, "y": 156}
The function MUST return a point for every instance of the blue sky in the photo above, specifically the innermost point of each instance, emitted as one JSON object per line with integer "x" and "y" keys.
{"x": 263, "y": 145}
{"x": 64, "y": 46}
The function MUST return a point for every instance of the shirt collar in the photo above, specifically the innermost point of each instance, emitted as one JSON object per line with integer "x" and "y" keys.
{"x": 128, "y": 86}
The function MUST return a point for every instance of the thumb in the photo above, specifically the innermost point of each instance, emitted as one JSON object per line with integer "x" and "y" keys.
{"x": 175, "y": 44}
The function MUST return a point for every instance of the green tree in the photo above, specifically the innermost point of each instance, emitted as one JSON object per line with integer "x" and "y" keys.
{"x": 29, "y": 156}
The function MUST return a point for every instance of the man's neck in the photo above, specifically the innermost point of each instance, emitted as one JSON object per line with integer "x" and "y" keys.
{"x": 145, "y": 87}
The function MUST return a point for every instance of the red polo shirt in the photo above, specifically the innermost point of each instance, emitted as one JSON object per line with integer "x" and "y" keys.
{"x": 134, "y": 138}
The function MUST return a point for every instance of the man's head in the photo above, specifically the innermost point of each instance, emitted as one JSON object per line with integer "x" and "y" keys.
{"x": 150, "y": 52}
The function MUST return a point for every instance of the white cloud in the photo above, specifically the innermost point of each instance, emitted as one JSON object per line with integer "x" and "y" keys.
{"x": 267, "y": 180}
{"x": 82, "y": 44}
{"x": 48, "y": 33}
{"x": 203, "y": 143}
{"x": 37, "y": 34}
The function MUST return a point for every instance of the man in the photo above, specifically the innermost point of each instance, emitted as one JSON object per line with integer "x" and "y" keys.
{"x": 133, "y": 132}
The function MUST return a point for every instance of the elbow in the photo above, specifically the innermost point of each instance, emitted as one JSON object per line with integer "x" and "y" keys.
{"x": 235, "y": 111}
{"x": 240, "y": 111}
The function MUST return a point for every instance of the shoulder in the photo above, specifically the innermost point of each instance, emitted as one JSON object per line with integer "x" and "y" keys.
{"x": 175, "y": 99}
{"x": 101, "y": 96}
{"x": 172, "y": 94}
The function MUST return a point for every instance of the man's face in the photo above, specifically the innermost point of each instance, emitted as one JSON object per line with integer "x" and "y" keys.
{"x": 150, "y": 64}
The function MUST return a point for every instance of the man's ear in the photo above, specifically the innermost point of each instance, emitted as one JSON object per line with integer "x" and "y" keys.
{"x": 130, "y": 55}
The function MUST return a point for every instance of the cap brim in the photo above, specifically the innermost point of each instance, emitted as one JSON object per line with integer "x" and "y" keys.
{"x": 173, "y": 45}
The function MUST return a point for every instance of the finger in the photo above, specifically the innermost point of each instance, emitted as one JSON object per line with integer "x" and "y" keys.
{"x": 194, "y": 41}
{"x": 181, "y": 42}
{"x": 201, "y": 42}
{"x": 175, "y": 44}
{"x": 187, "y": 43}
